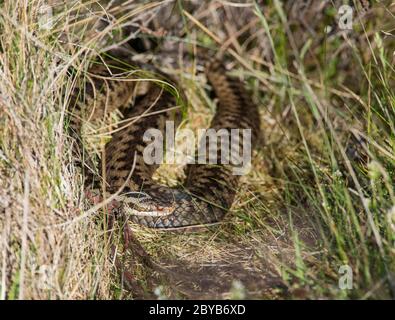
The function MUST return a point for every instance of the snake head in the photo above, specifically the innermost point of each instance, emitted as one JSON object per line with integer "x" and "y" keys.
{"x": 142, "y": 204}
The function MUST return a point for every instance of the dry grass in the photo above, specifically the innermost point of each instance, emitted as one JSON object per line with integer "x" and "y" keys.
{"x": 315, "y": 200}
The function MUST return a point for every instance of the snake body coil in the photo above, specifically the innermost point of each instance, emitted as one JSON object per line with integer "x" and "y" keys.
{"x": 209, "y": 189}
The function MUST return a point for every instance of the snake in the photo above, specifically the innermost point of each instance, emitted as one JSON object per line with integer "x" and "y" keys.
{"x": 209, "y": 189}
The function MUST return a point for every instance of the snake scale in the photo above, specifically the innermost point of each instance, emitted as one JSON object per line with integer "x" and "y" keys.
{"x": 209, "y": 189}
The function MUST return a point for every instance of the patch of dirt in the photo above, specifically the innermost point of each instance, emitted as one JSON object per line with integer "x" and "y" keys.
{"x": 238, "y": 279}
{"x": 223, "y": 268}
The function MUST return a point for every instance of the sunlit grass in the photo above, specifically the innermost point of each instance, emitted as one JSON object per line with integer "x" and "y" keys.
{"x": 321, "y": 194}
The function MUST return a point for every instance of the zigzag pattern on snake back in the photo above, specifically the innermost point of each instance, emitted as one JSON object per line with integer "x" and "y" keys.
{"x": 209, "y": 189}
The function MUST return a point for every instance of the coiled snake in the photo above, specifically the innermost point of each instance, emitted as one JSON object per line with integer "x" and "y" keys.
{"x": 209, "y": 189}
